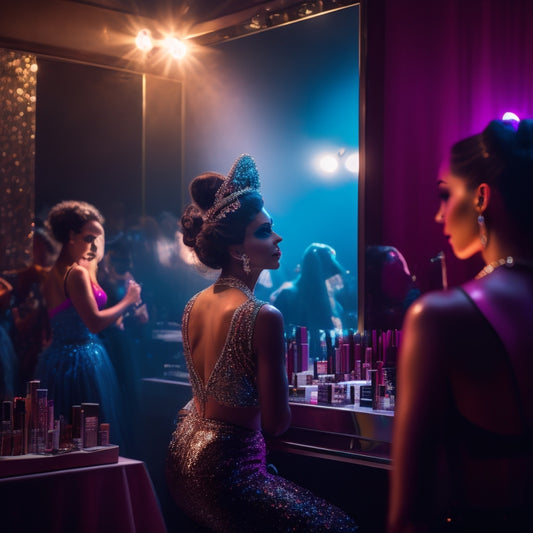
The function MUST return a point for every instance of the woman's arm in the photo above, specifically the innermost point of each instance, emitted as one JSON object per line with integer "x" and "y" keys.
{"x": 272, "y": 384}
{"x": 81, "y": 294}
{"x": 422, "y": 390}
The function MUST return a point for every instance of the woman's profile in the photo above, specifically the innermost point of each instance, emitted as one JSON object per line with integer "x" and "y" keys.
{"x": 463, "y": 430}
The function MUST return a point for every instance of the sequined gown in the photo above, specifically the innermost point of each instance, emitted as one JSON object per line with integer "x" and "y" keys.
{"x": 75, "y": 368}
{"x": 216, "y": 471}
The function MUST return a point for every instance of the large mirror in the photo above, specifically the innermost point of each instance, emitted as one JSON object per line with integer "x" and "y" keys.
{"x": 289, "y": 96}
{"x": 130, "y": 141}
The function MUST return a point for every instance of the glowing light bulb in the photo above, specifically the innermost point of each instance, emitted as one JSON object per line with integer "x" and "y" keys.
{"x": 143, "y": 41}
{"x": 510, "y": 116}
{"x": 352, "y": 163}
{"x": 329, "y": 164}
{"x": 176, "y": 48}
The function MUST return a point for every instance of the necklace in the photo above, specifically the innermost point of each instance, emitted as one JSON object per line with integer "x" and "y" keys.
{"x": 235, "y": 283}
{"x": 491, "y": 267}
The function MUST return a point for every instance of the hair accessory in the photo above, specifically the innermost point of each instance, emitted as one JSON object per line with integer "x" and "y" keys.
{"x": 245, "y": 264}
{"x": 483, "y": 236}
{"x": 242, "y": 179}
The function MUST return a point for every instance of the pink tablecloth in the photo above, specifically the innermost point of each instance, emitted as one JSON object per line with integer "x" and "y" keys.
{"x": 115, "y": 498}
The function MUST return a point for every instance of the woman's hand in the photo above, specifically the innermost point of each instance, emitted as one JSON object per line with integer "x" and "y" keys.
{"x": 133, "y": 293}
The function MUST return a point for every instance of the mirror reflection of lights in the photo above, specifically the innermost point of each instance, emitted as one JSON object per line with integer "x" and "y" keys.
{"x": 143, "y": 41}
{"x": 329, "y": 163}
{"x": 176, "y": 48}
{"x": 510, "y": 116}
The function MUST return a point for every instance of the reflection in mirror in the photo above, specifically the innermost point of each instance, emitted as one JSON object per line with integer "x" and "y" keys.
{"x": 390, "y": 288}
{"x": 17, "y": 145}
{"x": 289, "y": 97}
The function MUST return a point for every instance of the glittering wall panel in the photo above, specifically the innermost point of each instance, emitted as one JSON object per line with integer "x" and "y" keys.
{"x": 18, "y": 81}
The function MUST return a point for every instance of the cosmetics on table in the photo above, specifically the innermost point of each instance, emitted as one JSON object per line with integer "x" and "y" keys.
{"x": 30, "y": 425}
{"x": 349, "y": 368}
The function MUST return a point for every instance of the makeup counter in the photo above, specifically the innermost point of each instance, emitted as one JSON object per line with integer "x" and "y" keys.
{"x": 339, "y": 442}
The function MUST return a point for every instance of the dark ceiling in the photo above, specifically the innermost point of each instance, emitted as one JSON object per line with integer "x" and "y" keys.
{"x": 193, "y": 10}
{"x": 211, "y": 21}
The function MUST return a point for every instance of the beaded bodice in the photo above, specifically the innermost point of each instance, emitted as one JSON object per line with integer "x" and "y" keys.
{"x": 233, "y": 379}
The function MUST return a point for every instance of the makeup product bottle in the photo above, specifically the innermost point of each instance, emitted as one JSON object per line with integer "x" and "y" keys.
{"x": 90, "y": 424}
{"x": 103, "y": 435}
{"x": 19, "y": 418}
{"x": 49, "y": 443}
{"x": 367, "y": 365}
{"x": 31, "y": 414}
{"x": 6, "y": 430}
{"x": 41, "y": 427}
{"x": 77, "y": 435}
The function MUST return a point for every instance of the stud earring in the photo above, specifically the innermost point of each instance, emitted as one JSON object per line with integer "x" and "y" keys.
{"x": 483, "y": 235}
{"x": 245, "y": 264}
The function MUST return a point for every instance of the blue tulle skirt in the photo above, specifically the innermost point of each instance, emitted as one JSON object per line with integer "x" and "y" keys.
{"x": 76, "y": 368}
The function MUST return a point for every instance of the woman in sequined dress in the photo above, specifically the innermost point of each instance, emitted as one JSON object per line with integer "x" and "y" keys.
{"x": 234, "y": 348}
{"x": 463, "y": 428}
{"x": 76, "y": 368}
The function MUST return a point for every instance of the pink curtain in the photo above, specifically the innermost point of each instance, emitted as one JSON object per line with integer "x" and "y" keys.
{"x": 450, "y": 67}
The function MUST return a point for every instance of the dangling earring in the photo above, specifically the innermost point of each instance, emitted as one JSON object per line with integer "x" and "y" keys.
{"x": 483, "y": 236}
{"x": 245, "y": 264}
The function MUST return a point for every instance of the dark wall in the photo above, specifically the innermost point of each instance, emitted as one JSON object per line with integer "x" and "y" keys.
{"x": 441, "y": 71}
{"x": 88, "y": 135}
{"x": 90, "y": 139}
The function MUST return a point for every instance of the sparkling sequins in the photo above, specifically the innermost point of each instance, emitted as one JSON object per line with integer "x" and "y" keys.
{"x": 18, "y": 84}
{"x": 233, "y": 379}
{"x": 217, "y": 471}
{"x": 217, "y": 474}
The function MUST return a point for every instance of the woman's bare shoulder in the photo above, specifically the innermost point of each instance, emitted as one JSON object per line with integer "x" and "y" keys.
{"x": 268, "y": 314}
{"x": 268, "y": 326}
{"x": 439, "y": 310}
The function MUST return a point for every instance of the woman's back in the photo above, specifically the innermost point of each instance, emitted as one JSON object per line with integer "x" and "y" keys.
{"x": 218, "y": 333}
{"x": 473, "y": 397}
{"x": 491, "y": 380}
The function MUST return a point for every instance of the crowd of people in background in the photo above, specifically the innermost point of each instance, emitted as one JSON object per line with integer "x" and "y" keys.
{"x": 150, "y": 251}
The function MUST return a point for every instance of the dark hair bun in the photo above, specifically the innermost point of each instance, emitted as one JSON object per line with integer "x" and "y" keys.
{"x": 499, "y": 138}
{"x": 204, "y": 187}
{"x": 191, "y": 224}
{"x": 211, "y": 240}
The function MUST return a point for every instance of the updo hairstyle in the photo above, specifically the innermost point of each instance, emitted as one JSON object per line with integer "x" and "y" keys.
{"x": 502, "y": 157}
{"x": 71, "y": 215}
{"x": 211, "y": 240}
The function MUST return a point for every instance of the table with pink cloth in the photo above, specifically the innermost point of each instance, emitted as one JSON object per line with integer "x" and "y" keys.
{"x": 114, "y": 498}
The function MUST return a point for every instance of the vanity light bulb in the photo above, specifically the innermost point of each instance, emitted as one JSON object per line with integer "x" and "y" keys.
{"x": 176, "y": 48}
{"x": 143, "y": 41}
{"x": 352, "y": 163}
{"x": 329, "y": 163}
{"x": 510, "y": 116}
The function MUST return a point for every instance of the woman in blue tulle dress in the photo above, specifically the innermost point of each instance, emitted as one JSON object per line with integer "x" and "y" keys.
{"x": 76, "y": 368}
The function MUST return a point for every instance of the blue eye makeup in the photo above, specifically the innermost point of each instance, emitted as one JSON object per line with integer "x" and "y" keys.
{"x": 263, "y": 232}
